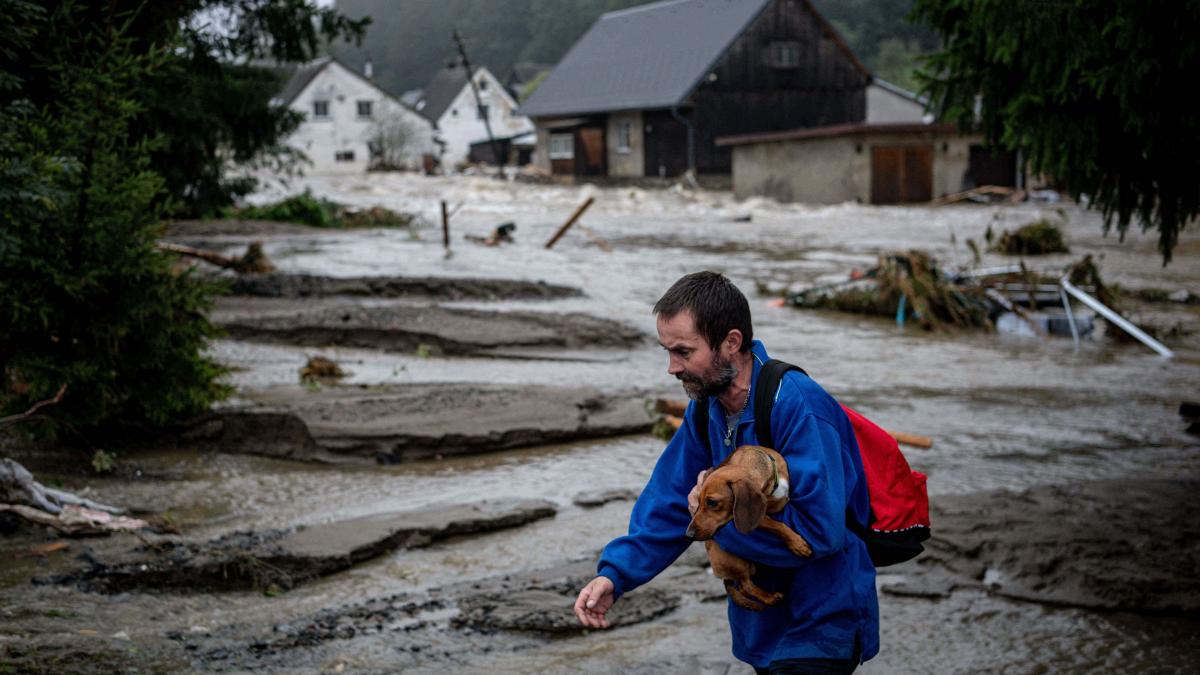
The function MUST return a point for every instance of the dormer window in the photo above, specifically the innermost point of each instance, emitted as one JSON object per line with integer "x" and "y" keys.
{"x": 482, "y": 84}
{"x": 364, "y": 108}
{"x": 320, "y": 109}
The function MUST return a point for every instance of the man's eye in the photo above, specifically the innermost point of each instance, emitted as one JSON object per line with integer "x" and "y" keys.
{"x": 712, "y": 503}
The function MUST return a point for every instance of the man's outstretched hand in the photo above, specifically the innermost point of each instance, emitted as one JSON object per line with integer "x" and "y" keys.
{"x": 594, "y": 602}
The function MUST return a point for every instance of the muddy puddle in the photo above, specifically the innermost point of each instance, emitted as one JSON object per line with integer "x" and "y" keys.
{"x": 1006, "y": 413}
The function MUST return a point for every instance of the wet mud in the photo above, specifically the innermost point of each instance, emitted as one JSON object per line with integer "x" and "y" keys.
{"x": 1130, "y": 546}
{"x": 433, "y": 330}
{"x": 314, "y": 286}
{"x": 284, "y": 559}
{"x": 391, "y": 424}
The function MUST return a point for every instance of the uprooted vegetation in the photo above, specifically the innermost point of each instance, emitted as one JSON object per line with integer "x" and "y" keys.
{"x": 1040, "y": 237}
{"x": 306, "y": 209}
{"x": 903, "y": 285}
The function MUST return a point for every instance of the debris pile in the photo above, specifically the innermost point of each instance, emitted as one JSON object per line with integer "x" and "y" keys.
{"x": 905, "y": 285}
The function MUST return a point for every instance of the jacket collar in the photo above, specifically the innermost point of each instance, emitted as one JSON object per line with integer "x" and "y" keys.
{"x": 759, "y": 354}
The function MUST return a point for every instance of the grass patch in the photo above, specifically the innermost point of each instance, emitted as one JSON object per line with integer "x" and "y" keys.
{"x": 1037, "y": 238}
{"x": 306, "y": 209}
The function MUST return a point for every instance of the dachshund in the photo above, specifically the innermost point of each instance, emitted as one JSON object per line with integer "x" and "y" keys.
{"x": 749, "y": 484}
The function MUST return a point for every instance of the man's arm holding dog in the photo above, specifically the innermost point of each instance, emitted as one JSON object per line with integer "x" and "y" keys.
{"x": 817, "y": 464}
{"x": 657, "y": 528}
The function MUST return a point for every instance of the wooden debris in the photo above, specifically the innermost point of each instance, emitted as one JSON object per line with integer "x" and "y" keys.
{"x": 76, "y": 520}
{"x": 253, "y": 261}
{"x": 502, "y": 234}
{"x": 670, "y": 407}
{"x": 1040, "y": 237}
{"x": 445, "y": 226}
{"x": 43, "y": 550}
{"x": 570, "y": 221}
{"x": 320, "y": 369}
{"x": 915, "y": 440}
{"x": 596, "y": 239}
{"x": 17, "y": 487}
{"x": 973, "y": 192}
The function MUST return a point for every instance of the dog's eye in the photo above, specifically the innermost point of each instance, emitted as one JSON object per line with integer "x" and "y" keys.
{"x": 711, "y": 503}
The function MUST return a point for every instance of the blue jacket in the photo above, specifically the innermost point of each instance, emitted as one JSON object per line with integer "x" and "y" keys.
{"x": 829, "y": 599}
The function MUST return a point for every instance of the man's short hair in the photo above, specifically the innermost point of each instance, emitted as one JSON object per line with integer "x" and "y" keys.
{"x": 716, "y": 304}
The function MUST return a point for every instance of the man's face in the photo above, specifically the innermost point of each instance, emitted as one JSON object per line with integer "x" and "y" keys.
{"x": 704, "y": 371}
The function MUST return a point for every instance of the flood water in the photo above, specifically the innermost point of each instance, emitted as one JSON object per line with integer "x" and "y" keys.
{"x": 1005, "y": 412}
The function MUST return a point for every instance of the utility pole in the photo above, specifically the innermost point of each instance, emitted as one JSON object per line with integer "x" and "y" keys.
{"x": 462, "y": 53}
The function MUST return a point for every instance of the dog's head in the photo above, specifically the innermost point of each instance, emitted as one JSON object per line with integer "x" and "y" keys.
{"x": 729, "y": 493}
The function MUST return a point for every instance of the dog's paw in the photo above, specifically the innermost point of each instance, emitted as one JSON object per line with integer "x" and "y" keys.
{"x": 800, "y": 547}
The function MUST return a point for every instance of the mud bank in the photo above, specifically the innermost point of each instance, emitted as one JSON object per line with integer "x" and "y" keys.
{"x": 440, "y": 288}
{"x": 236, "y": 227}
{"x": 392, "y": 424}
{"x": 1126, "y": 546}
{"x": 433, "y": 329}
{"x": 511, "y": 612}
{"x": 287, "y": 558}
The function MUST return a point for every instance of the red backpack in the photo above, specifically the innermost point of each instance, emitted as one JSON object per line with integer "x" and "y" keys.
{"x": 899, "y": 501}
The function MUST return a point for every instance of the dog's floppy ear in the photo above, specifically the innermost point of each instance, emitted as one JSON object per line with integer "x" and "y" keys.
{"x": 749, "y": 505}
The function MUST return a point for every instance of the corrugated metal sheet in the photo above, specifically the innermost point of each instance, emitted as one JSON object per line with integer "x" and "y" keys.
{"x": 646, "y": 57}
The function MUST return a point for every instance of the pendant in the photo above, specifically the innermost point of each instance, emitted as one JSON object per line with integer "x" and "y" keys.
{"x": 728, "y": 441}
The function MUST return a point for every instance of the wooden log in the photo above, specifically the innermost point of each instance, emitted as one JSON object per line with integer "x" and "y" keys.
{"x": 254, "y": 261}
{"x": 594, "y": 237}
{"x": 673, "y": 421}
{"x": 914, "y": 440}
{"x": 445, "y": 226}
{"x": 570, "y": 221}
{"x": 670, "y": 407}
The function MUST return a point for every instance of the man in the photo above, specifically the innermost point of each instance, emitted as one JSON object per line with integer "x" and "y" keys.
{"x": 828, "y": 621}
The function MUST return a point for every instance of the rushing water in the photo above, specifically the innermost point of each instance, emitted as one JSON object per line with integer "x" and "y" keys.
{"x": 1006, "y": 412}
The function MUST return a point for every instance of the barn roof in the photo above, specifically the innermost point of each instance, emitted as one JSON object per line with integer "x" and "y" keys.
{"x": 645, "y": 57}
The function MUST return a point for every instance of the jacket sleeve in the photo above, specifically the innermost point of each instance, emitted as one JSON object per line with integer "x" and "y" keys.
{"x": 817, "y": 467}
{"x": 660, "y": 517}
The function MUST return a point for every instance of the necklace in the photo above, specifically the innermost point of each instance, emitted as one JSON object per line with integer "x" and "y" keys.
{"x": 729, "y": 428}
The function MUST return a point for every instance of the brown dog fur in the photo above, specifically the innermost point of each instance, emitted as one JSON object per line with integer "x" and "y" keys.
{"x": 739, "y": 490}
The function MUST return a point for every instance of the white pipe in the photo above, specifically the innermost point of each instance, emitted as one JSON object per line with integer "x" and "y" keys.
{"x": 1119, "y": 320}
{"x": 1070, "y": 316}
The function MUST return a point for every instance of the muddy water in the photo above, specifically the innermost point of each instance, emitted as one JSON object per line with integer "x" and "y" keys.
{"x": 1006, "y": 412}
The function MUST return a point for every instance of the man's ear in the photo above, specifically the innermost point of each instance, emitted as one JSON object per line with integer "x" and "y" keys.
{"x": 733, "y": 340}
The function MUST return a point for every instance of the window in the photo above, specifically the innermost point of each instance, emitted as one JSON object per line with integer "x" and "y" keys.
{"x": 483, "y": 112}
{"x": 482, "y": 84}
{"x": 624, "y": 131}
{"x": 562, "y": 146}
{"x": 785, "y": 54}
{"x": 320, "y": 108}
{"x": 344, "y": 156}
{"x": 364, "y": 108}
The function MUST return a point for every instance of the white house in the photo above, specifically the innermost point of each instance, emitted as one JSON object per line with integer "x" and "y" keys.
{"x": 350, "y": 123}
{"x": 450, "y": 104}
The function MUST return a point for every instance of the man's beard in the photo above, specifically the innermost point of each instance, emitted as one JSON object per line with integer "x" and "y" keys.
{"x": 699, "y": 387}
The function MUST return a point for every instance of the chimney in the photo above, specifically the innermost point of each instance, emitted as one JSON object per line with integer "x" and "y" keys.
{"x": 368, "y": 69}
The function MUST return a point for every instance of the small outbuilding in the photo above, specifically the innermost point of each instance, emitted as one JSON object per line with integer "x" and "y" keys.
{"x": 895, "y": 163}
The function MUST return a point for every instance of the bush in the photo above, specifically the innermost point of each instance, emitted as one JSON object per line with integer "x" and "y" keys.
{"x": 1037, "y": 238}
{"x": 306, "y": 209}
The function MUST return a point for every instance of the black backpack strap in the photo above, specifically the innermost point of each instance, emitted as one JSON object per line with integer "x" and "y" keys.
{"x": 764, "y": 398}
{"x": 700, "y": 415}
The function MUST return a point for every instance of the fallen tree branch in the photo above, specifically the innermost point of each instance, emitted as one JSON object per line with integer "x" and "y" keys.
{"x": 253, "y": 261}
{"x": 75, "y": 520}
{"x": 32, "y": 412}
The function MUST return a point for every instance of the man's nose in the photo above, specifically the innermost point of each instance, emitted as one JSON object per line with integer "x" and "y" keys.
{"x": 674, "y": 366}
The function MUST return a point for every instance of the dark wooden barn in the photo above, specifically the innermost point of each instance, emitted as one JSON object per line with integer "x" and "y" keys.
{"x": 646, "y": 91}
